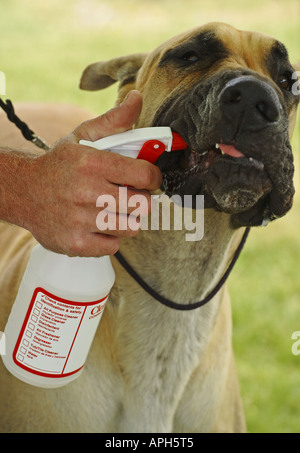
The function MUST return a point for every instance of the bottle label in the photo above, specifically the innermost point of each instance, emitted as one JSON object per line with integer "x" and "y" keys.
{"x": 56, "y": 335}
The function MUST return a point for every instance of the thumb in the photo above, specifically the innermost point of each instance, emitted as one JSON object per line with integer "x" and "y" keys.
{"x": 118, "y": 119}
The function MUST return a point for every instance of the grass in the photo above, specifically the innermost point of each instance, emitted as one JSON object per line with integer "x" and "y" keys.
{"x": 44, "y": 48}
{"x": 265, "y": 292}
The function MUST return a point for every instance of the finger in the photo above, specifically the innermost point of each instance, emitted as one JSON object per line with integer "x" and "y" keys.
{"x": 139, "y": 174}
{"x": 122, "y": 200}
{"x": 113, "y": 215}
{"x": 94, "y": 245}
{"x": 118, "y": 119}
{"x": 117, "y": 225}
{"x": 126, "y": 171}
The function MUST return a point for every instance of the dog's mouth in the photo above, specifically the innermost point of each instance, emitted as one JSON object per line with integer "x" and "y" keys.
{"x": 205, "y": 159}
{"x": 230, "y": 180}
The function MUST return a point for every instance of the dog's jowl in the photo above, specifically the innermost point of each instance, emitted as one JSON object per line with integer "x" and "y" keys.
{"x": 229, "y": 94}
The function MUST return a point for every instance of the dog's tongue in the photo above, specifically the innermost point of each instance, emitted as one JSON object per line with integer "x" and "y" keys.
{"x": 230, "y": 150}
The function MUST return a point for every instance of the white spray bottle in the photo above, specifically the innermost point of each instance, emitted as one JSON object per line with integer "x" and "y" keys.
{"x": 55, "y": 317}
{"x": 61, "y": 299}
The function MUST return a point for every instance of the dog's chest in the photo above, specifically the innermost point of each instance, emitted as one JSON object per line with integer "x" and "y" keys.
{"x": 142, "y": 378}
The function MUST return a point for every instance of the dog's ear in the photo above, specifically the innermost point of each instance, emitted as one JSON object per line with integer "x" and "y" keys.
{"x": 98, "y": 76}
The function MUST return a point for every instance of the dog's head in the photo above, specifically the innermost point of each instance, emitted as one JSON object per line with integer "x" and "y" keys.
{"x": 216, "y": 85}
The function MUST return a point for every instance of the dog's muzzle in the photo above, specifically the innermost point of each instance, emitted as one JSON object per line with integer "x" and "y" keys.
{"x": 251, "y": 178}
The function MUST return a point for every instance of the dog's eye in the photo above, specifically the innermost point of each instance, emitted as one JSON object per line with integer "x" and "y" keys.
{"x": 285, "y": 82}
{"x": 190, "y": 57}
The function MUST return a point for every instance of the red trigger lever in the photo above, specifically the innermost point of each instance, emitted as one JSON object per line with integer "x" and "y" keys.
{"x": 151, "y": 150}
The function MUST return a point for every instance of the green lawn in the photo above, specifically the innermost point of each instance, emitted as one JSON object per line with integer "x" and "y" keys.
{"x": 44, "y": 47}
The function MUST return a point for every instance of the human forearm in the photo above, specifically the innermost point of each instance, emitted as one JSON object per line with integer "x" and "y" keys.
{"x": 16, "y": 169}
{"x": 54, "y": 195}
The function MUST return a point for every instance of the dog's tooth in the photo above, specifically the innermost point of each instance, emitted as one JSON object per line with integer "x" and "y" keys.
{"x": 217, "y": 146}
{"x": 205, "y": 152}
{"x": 251, "y": 159}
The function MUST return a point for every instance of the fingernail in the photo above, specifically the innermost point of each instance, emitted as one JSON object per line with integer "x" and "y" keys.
{"x": 126, "y": 97}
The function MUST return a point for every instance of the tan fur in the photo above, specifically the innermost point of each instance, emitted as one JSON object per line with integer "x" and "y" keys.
{"x": 150, "y": 369}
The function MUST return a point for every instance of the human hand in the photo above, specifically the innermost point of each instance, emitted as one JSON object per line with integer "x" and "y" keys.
{"x": 66, "y": 182}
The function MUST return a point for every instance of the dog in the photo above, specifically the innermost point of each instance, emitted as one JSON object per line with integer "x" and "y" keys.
{"x": 151, "y": 368}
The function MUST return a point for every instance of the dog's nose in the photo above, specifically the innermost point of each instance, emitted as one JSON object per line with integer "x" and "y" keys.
{"x": 249, "y": 103}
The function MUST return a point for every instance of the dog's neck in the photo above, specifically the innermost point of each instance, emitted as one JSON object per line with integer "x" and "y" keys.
{"x": 184, "y": 271}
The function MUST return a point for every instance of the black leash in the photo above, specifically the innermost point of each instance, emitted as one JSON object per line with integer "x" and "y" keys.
{"x": 174, "y": 305}
{"x": 26, "y": 132}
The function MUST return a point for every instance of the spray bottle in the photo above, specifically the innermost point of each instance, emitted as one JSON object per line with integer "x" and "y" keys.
{"x": 61, "y": 299}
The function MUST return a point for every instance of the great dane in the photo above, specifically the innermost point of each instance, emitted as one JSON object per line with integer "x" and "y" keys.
{"x": 152, "y": 368}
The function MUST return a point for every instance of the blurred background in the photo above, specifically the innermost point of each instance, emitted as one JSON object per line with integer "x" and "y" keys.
{"x": 44, "y": 47}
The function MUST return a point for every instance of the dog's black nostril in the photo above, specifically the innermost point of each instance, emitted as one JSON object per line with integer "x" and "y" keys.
{"x": 232, "y": 96}
{"x": 269, "y": 111}
{"x": 235, "y": 96}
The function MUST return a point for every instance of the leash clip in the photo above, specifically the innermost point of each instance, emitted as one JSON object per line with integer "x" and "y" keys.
{"x": 40, "y": 143}
{"x": 27, "y": 133}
